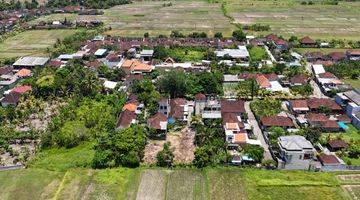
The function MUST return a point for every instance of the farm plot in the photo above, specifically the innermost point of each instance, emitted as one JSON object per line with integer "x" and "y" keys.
{"x": 291, "y": 18}
{"x": 176, "y": 184}
{"x": 34, "y": 42}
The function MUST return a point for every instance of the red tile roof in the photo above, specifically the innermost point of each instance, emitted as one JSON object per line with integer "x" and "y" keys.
{"x": 231, "y": 118}
{"x": 337, "y": 56}
{"x": 343, "y": 118}
{"x": 228, "y": 106}
{"x": 177, "y": 108}
{"x": 125, "y": 118}
{"x": 327, "y": 75}
{"x": 330, "y": 124}
{"x": 271, "y": 77}
{"x": 299, "y": 79}
{"x": 277, "y": 121}
{"x": 338, "y": 143}
{"x": 200, "y": 97}
{"x": 22, "y": 89}
{"x": 55, "y": 63}
{"x": 154, "y": 121}
{"x": 316, "y": 117}
{"x": 296, "y": 104}
{"x": 316, "y": 103}
{"x": 307, "y": 40}
{"x": 328, "y": 159}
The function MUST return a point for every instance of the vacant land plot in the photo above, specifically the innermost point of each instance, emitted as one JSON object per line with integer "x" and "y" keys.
{"x": 151, "y": 16}
{"x": 33, "y": 42}
{"x": 291, "y": 18}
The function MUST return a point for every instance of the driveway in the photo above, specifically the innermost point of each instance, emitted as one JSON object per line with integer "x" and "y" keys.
{"x": 257, "y": 131}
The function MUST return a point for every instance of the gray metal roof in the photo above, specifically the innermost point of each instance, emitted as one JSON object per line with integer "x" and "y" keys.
{"x": 31, "y": 61}
{"x": 294, "y": 143}
{"x": 353, "y": 95}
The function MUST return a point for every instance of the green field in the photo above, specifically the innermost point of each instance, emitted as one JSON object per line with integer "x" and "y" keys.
{"x": 34, "y": 42}
{"x": 211, "y": 183}
{"x": 353, "y": 82}
{"x": 65, "y": 174}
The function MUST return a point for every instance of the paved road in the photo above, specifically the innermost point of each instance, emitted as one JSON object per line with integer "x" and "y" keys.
{"x": 257, "y": 131}
{"x": 317, "y": 93}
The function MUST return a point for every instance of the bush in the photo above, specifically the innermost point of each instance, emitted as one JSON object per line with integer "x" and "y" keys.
{"x": 165, "y": 157}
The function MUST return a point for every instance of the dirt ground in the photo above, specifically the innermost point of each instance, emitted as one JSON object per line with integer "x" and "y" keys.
{"x": 182, "y": 142}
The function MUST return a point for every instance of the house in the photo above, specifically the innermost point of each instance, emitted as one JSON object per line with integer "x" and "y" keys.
{"x": 295, "y": 152}
{"x": 6, "y": 71}
{"x": 159, "y": 123}
{"x": 233, "y": 106}
{"x": 307, "y": 42}
{"x": 112, "y": 60}
{"x": 11, "y": 99}
{"x": 350, "y": 100}
{"x": 22, "y": 89}
{"x": 336, "y": 56}
{"x": 235, "y": 133}
{"x": 31, "y": 62}
{"x": 207, "y": 108}
{"x": 132, "y": 78}
{"x": 280, "y": 121}
{"x": 146, "y": 55}
{"x": 298, "y": 80}
{"x": 298, "y": 106}
{"x": 23, "y": 73}
{"x": 263, "y": 82}
{"x": 318, "y": 69}
{"x": 316, "y": 119}
{"x": 230, "y": 80}
{"x": 126, "y": 118}
{"x": 100, "y": 53}
{"x": 240, "y": 54}
{"x": 330, "y": 126}
{"x": 314, "y": 56}
{"x": 337, "y": 145}
{"x": 164, "y": 106}
{"x": 328, "y": 82}
{"x": 353, "y": 55}
{"x": 281, "y": 44}
{"x": 330, "y": 162}
{"x": 316, "y": 104}
{"x": 135, "y": 67}
{"x": 56, "y": 63}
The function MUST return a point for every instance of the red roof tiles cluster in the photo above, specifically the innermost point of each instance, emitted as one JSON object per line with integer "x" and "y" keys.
{"x": 316, "y": 103}
{"x": 154, "y": 121}
{"x": 277, "y": 121}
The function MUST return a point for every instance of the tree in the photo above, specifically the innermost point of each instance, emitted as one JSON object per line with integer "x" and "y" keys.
{"x": 218, "y": 35}
{"x": 146, "y": 35}
{"x": 354, "y": 150}
{"x": 255, "y": 152}
{"x": 165, "y": 157}
{"x": 71, "y": 134}
{"x": 160, "y": 52}
{"x": 174, "y": 83}
{"x": 239, "y": 35}
{"x": 312, "y": 134}
{"x": 247, "y": 88}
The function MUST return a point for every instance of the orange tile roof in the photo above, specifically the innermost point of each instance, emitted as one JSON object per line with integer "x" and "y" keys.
{"x": 23, "y": 73}
{"x": 130, "y": 107}
{"x": 135, "y": 65}
{"x": 232, "y": 126}
{"x": 240, "y": 138}
{"x": 263, "y": 81}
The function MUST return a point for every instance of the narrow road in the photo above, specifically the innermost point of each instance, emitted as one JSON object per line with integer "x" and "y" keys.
{"x": 317, "y": 93}
{"x": 257, "y": 131}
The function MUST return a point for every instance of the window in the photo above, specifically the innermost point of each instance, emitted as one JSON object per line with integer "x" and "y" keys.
{"x": 300, "y": 157}
{"x": 307, "y": 156}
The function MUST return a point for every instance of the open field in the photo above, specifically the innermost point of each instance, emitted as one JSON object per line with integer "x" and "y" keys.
{"x": 34, "y": 42}
{"x": 210, "y": 183}
{"x": 151, "y": 16}
{"x": 291, "y": 18}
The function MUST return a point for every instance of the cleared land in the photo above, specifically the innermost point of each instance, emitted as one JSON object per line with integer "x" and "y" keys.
{"x": 34, "y": 42}
{"x": 291, "y": 18}
{"x": 151, "y": 16}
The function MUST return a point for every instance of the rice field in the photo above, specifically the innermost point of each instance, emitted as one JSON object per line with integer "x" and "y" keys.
{"x": 291, "y": 18}
{"x": 34, "y": 42}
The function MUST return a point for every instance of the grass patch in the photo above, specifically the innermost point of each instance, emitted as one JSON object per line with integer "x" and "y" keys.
{"x": 353, "y": 82}
{"x": 34, "y": 42}
{"x": 29, "y": 184}
{"x": 63, "y": 159}
{"x": 258, "y": 54}
{"x": 184, "y": 54}
{"x": 351, "y": 134}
